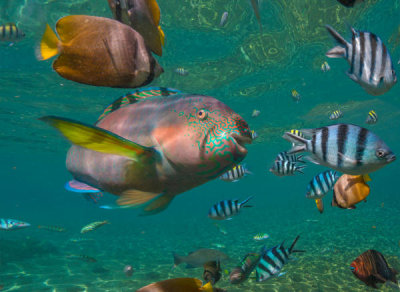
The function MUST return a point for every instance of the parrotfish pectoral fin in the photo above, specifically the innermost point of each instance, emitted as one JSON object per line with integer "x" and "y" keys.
{"x": 135, "y": 198}
{"x": 79, "y": 187}
{"x": 97, "y": 139}
{"x": 336, "y": 52}
{"x": 158, "y": 204}
{"x": 49, "y": 46}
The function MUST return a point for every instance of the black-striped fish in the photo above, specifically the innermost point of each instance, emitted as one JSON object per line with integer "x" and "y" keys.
{"x": 297, "y": 133}
{"x": 285, "y": 168}
{"x": 284, "y": 156}
{"x": 369, "y": 60}
{"x": 349, "y": 3}
{"x": 9, "y": 32}
{"x": 254, "y": 134}
{"x": 336, "y": 115}
{"x": 181, "y": 71}
{"x": 235, "y": 174}
{"x": 321, "y": 184}
{"x": 241, "y": 272}
{"x": 225, "y": 209}
{"x": 343, "y": 147}
{"x": 93, "y": 226}
{"x": 272, "y": 261}
{"x": 372, "y": 118}
{"x": 325, "y": 67}
{"x": 296, "y": 96}
{"x": 52, "y": 228}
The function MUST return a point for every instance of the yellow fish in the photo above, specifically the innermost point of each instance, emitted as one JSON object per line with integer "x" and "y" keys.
{"x": 349, "y": 190}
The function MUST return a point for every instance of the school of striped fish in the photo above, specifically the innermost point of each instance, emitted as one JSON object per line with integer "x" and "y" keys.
{"x": 111, "y": 154}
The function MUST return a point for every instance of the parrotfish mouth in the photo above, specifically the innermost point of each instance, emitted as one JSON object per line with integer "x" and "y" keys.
{"x": 241, "y": 141}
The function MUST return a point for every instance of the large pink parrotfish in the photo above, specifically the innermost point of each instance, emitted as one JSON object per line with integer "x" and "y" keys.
{"x": 153, "y": 144}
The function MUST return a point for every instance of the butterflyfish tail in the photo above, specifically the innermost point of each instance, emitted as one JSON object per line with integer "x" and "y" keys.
{"x": 49, "y": 45}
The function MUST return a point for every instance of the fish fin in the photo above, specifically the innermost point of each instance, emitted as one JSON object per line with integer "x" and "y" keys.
{"x": 79, "y": 187}
{"x": 135, "y": 198}
{"x": 49, "y": 45}
{"x": 207, "y": 287}
{"x": 336, "y": 52}
{"x": 162, "y": 35}
{"x": 320, "y": 205}
{"x": 379, "y": 278}
{"x": 293, "y": 244}
{"x": 300, "y": 159}
{"x": 247, "y": 206}
{"x": 352, "y": 207}
{"x": 312, "y": 159}
{"x": 296, "y": 140}
{"x": 157, "y": 205}
{"x": 281, "y": 274}
{"x": 177, "y": 259}
{"x": 366, "y": 177}
{"x": 97, "y": 139}
{"x": 338, "y": 38}
{"x": 298, "y": 250}
{"x": 155, "y": 11}
{"x": 300, "y": 168}
{"x": 347, "y": 159}
{"x": 245, "y": 201}
{"x": 352, "y": 77}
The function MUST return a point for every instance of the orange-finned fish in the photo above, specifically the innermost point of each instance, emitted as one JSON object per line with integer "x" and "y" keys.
{"x": 349, "y": 190}
{"x": 144, "y": 17}
{"x": 52, "y": 228}
{"x": 320, "y": 205}
{"x": 93, "y": 226}
{"x": 178, "y": 285}
{"x": 256, "y": 9}
{"x": 119, "y": 57}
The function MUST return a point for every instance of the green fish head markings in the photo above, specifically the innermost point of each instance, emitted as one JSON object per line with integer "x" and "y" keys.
{"x": 204, "y": 136}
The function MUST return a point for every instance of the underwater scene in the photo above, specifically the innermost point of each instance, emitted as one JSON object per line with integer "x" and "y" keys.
{"x": 199, "y": 145}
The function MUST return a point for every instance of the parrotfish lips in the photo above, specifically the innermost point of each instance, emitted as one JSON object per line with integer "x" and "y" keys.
{"x": 240, "y": 141}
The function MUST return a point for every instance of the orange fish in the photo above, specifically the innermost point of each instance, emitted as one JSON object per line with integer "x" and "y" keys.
{"x": 144, "y": 17}
{"x": 320, "y": 205}
{"x": 177, "y": 285}
{"x": 99, "y": 51}
{"x": 349, "y": 190}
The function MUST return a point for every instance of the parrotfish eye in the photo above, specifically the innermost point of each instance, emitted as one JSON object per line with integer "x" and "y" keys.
{"x": 352, "y": 268}
{"x": 202, "y": 114}
{"x": 380, "y": 153}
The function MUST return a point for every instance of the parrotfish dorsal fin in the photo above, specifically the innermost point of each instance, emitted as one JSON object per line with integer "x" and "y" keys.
{"x": 136, "y": 95}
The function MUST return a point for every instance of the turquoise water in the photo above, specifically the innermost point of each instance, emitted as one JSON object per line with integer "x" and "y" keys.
{"x": 244, "y": 69}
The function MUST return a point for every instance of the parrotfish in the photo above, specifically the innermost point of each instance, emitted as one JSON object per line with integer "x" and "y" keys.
{"x": 199, "y": 257}
{"x": 178, "y": 285}
{"x": 344, "y": 147}
{"x": 371, "y": 268}
{"x": 120, "y": 57}
{"x": 370, "y": 62}
{"x": 242, "y": 271}
{"x": 153, "y": 144}
{"x": 11, "y": 224}
{"x": 144, "y": 17}
{"x": 349, "y": 190}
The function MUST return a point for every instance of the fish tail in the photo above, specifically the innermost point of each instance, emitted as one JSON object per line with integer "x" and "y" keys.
{"x": 299, "y": 144}
{"x": 177, "y": 259}
{"x": 291, "y": 250}
{"x": 49, "y": 45}
{"x": 300, "y": 159}
{"x": 300, "y": 168}
{"x": 245, "y": 201}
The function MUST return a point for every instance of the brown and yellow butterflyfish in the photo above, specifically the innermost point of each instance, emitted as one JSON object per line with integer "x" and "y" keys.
{"x": 178, "y": 285}
{"x": 144, "y": 17}
{"x": 349, "y": 190}
{"x": 99, "y": 51}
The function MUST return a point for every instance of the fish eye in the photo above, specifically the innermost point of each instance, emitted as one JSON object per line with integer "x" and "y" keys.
{"x": 202, "y": 114}
{"x": 380, "y": 153}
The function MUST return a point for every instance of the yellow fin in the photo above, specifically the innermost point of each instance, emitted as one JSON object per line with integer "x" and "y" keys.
{"x": 366, "y": 178}
{"x": 49, "y": 46}
{"x": 320, "y": 205}
{"x": 207, "y": 287}
{"x": 135, "y": 198}
{"x": 97, "y": 139}
{"x": 162, "y": 35}
{"x": 158, "y": 204}
{"x": 155, "y": 11}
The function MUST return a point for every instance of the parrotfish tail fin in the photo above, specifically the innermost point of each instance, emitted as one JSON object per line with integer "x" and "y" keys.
{"x": 367, "y": 178}
{"x": 207, "y": 287}
{"x": 338, "y": 51}
{"x": 97, "y": 139}
{"x": 242, "y": 204}
{"x": 299, "y": 143}
{"x": 300, "y": 168}
{"x": 291, "y": 250}
{"x": 49, "y": 45}
{"x": 177, "y": 259}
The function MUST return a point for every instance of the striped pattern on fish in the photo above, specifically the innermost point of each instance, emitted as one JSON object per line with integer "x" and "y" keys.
{"x": 372, "y": 118}
{"x": 285, "y": 168}
{"x": 370, "y": 62}
{"x": 236, "y": 173}
{"x": 343, "y": 147}
{"x": 226, "y": 209}
{"x": 10, "y": 32}
{"x": 272, "y": 261}
{"x": 336, "y": 115}
{"x": 284, "y": 156}
{"x": 321, "y": 184}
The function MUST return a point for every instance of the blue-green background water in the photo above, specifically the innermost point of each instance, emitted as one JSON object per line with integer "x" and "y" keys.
{"x": 245, "y": 70}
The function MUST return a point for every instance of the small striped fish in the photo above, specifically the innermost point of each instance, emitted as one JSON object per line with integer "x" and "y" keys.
{"x": 52, "y": 228}
{"x": 241, "y": 272}
{"x": 260, "y": 236}
{"x": 235, "y": 174}
{"x": 254, "y": 134}
{"x": 343, "y": 147}
{"x": 10, "y": 33}
{"x": 272, "y": 261}
{"x": 336, "y": 115}
{"x": 10, "y": 224}
{"x": 297, "y": 133}
{"x": 227, "y": 208}
{"x": 321, "y": 184}
{"x": 370, "y": 62}
{"x": 284, "y": 156}
{"x": 372, "y": 118}
{"x": 296, "y": 96}
{"x": 284, "y": 168}
{"x": 325, "y": 67}
{"x": 93, "y": 226}
{"x": 181, "y": 71}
